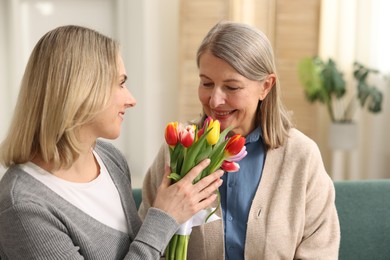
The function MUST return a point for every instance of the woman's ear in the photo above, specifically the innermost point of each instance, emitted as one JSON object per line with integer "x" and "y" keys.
{"x": 267, "y": 85}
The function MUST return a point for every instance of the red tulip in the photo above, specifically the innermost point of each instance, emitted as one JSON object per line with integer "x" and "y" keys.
{"x": 200, "y": 133}
{"x": 234, "y": 145}
{"x": 171, "y": 134}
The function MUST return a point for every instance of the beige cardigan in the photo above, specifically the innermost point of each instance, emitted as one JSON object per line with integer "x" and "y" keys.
{"x": 293, "y": 214}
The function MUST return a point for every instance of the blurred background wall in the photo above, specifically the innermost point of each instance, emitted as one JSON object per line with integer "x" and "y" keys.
{"x": 148, "y": 33}
{"x": 159, "y": 41}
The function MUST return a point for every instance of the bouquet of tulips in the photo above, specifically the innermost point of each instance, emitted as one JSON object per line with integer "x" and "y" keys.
{"x": 188, "y": 146}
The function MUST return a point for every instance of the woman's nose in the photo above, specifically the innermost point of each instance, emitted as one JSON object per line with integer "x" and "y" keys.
{"x": 217, "y": 98}
{"x": 130, "y": 100}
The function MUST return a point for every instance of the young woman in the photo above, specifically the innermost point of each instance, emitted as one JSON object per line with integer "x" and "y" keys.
{"x": 67, "y": 194}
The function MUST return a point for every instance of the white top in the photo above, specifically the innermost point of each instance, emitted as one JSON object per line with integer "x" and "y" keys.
{"x": 98, "y": 198}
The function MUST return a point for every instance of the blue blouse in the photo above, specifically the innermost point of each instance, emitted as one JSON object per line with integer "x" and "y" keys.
{"x": 237, "y": 192}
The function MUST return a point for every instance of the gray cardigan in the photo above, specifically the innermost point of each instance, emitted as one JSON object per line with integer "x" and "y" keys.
{"x": 36, "y": 223}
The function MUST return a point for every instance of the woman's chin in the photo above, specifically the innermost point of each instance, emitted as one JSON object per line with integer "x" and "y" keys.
{"x": 224, "y": 126}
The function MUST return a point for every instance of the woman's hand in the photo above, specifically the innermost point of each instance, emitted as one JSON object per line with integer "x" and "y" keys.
{"x": 183, "y": 199}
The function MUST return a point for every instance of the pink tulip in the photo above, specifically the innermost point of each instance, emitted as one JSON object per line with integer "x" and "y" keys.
{"x": 230, "y": 166}
{"x": 239, "y": 156}
{"x": 207, "y": 121}
{"x": 187, "y": 135}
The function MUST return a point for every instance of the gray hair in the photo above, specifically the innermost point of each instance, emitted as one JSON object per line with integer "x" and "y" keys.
{"x": 250, "y": 53}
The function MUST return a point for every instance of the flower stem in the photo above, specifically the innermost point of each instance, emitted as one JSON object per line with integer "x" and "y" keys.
{"x": 170, "y": 254}
{"x": 181, "y": 251}
{"x": 187, "y": 238}
{"x": 215, "y": 210}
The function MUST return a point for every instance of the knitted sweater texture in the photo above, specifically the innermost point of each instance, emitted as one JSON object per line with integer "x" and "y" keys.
{"x": 292, "y": 216}
{"x": 36, "y": 223}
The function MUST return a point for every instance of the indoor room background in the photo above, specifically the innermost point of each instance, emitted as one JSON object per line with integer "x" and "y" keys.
{"x": 159, "y": 39}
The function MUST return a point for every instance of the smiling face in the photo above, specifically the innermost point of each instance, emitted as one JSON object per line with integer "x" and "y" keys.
{"x": 107, "y": 124}
{"x": 228, "y": 96}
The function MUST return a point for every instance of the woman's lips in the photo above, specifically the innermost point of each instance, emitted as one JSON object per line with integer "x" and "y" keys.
{"x": 222, "y": 114}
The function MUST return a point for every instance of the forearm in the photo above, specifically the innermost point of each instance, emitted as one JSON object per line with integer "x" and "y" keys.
{"x": 153, "y": 236}
{"x": 31, "y": 232}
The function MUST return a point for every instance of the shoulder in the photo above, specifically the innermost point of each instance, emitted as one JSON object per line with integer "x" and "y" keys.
{"x": 17, "y": 186}
{"x": 297, "y": 138}
{"x": 304, "y": 154}
{"x": 300, "y": 154}
{"x": 299, "y": 144}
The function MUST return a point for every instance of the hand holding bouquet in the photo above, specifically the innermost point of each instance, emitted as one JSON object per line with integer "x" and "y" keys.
{"x": 188, "y": 146}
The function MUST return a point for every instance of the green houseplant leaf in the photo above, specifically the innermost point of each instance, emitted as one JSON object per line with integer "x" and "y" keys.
{"x": 310, "y": 76}
{"x": 323, "y": 82}
{"x": 366, "y": 93}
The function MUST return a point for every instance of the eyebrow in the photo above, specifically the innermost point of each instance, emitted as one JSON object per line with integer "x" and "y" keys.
{"x": 226, "y": 80}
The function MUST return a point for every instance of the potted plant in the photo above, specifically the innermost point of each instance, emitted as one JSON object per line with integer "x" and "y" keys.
{"x": 323, "y": 82}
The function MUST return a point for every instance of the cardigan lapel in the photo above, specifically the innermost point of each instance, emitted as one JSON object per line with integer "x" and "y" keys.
{"x": 123, "y": 185}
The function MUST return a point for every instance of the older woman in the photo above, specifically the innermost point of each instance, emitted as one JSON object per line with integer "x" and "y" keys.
{"x": 280, "y": 204}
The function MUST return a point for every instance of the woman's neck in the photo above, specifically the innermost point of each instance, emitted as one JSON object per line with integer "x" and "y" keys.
{"x": 84, "y": 169}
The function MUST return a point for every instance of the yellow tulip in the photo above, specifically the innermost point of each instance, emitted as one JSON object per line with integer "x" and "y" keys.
{"x": 213, "y": 136}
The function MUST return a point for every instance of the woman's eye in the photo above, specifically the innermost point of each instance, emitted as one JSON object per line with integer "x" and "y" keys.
{"x": 122, "y": 81}
{"x": 231, "y": 88}
{"x": 208, "y": 84}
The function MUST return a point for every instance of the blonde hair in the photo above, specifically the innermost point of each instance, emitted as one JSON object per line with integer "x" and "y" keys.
{"x": 249, "y": 52}
{"x": 67, "y": 81}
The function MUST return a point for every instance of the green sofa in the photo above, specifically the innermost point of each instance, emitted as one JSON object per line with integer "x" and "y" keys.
{"x": 364, "y": 212}
{"x": 137, "y": 194}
